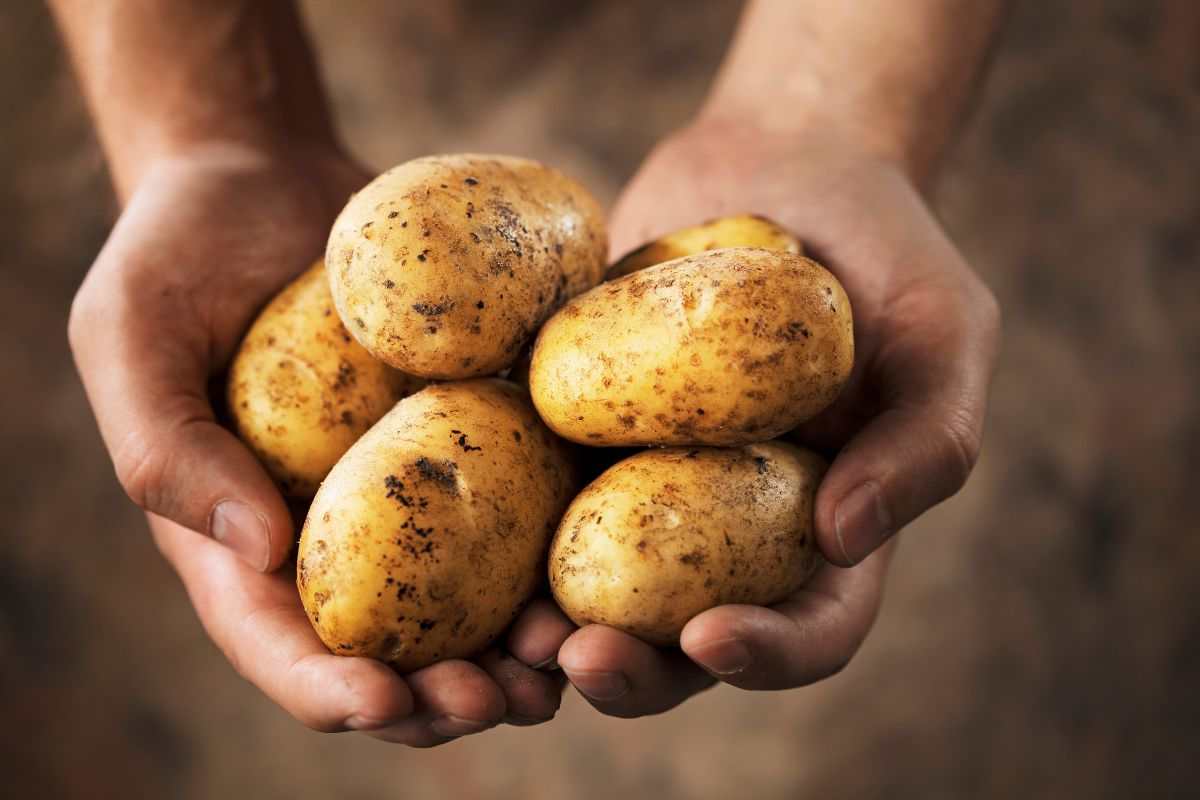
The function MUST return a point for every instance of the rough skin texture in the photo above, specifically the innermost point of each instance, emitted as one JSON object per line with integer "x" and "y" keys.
{"x": 666, "y": 534}
{"x": 430, "y": 534}
{"x": 301, "y": 390}
{"x": 445, "y": 266}
{"x": 740, "y": 230}
{"x": 727, "y": 347}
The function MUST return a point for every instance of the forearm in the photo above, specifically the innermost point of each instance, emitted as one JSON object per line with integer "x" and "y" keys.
{"x": 895, "y": 76}
{"x": 162, "y": 76}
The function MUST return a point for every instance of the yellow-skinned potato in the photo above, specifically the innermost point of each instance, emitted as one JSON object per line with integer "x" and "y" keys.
{"x": 430, "y": 534}
{"x": 446, "y": 266}
{"x": 666, "y": 534}
{"x": 301, "y": 390}
{"x": 723, "y": 348}
{"x": 740, "y": 230}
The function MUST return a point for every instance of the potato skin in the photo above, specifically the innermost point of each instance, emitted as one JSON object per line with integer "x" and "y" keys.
{"x": 723, "y": 348}
{"x": 430, "y": 534}
{"x": 445, "y": 266}
{"x": 739, "y": 230}
{"x": 666, "y": 534}
{"x": 301, "y": 390}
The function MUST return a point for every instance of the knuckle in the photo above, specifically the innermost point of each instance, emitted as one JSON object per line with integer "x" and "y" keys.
{"x": 141, "y": 469}
{"x": 992, "y": 309}
{"x": 80, "y": 320}
{"x": 97, "y": 300}
{"x": 960, "y": 443}
{"x": 990, "y": 314}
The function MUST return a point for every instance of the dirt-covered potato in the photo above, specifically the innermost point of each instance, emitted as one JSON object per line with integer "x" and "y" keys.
{"x": 727, "y": 347}
{"x": 666, "y": 534}
{"x": 740, "y": 230}
{"x": 430, "y": 534}
{"x": 445, "y": 266}
{"x": 301, "y": 390}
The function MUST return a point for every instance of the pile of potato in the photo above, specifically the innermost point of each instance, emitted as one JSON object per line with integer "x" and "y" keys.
{"x": 439, "y": 491}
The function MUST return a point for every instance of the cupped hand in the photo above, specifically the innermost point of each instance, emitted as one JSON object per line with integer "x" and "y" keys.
{"x": 906, "y": 430}
{"x": 205, "y": 240}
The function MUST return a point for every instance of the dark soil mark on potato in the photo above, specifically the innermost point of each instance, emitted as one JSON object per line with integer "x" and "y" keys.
{"x": 442, "y": 473}
{"x": 462, "y": 442}
{"x": 433, "y": 309}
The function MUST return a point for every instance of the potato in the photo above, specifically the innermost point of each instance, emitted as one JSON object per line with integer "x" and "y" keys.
{"x": 301, "y": 390}
{"x": 445, "y": 266}
{"x": 727, "y": 347}
{"x": 667, "y": 534}
{"x": 741, "y": 230}
{"x": 430, "y": 534}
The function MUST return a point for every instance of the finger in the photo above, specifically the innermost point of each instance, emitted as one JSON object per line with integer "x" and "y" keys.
{"x": 146, "y": 378}
{"x": 453, "y": 698}
{"x": 810, "y": 636}
{"x": 922, "y": 446}
{"x": 259, "y": 624}
{"x": 538, "y": 633}
{"x": 530, "y": 695}
{"x": 625, "y": 677}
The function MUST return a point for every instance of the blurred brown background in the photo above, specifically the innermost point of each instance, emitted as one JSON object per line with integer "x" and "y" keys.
{"x": 1041, "y": 637}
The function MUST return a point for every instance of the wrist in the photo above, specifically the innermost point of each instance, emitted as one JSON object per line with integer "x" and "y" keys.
{"x": 820, "y": 136}
{"x": 324, "y": 164}
{"x": 243, "y": 142}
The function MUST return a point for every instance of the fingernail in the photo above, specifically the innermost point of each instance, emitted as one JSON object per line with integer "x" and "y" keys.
{"x": 599, "y": 685}
{"x": 243, "y": 530}
{"x": 861, "y": 522}
{"x": 451, "y": 726}
{"x": 361, "y": 723}
{"x": 722, "y": 657}
{"x": 550, "y": 664}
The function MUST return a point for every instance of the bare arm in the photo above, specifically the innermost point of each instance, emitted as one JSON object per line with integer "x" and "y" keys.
{"x": 162, "y": 77}
{"x": 896, "y": 76}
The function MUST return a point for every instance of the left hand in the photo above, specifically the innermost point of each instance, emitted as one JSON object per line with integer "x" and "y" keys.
{"x": 906, "y": 429}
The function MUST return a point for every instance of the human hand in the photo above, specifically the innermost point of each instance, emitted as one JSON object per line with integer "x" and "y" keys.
{"x": 208, "y": 236}
{"x": 906, "y": 429}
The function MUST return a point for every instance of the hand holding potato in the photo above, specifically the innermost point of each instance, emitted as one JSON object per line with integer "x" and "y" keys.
{"x": 231, "y": 187}
{"x": 908, "y": 423}
{"x": 195, "y": 255}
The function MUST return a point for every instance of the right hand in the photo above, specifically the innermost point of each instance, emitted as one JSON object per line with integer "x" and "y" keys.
{"x": 207, "y": 238}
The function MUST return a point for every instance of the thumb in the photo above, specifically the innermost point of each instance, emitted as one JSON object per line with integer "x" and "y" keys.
{"x": 921, "y": 448}
{"x": 903, "y": 463}
{"x": 147, "y": 386}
